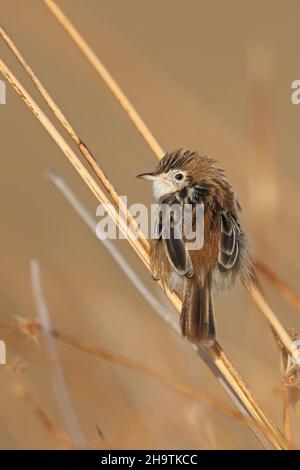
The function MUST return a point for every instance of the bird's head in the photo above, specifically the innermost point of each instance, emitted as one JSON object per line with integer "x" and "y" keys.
{"x": 178, "y": 170}
{"x": 167, "y": 182}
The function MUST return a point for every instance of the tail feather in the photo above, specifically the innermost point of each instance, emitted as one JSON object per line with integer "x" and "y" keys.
{"x": 197, "y": 314}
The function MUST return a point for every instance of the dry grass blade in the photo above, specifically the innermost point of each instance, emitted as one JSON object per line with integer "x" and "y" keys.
{"x": 123, "y": 361}
{"x": 158, "y": 307}
{"x": 60, "y": 387}
{"x": 151, "y": 141}
{"x": 217, "y": 355}
{"x": 258, "y": 298}
{"x": 74, "y": 160}
{"x": 106, "y": 76}
{"x": 288, "y": 293}
{"x": 286, "y": 417}
{"x": 74, "y": 136}
{"x": 290, "y": 373}
{"x": 275, "y": 324}
{"x": 61, "y": 438}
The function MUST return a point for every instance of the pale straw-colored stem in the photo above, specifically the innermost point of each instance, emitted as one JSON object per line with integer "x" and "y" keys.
{"x": 145, "y": 132}
{"x": 59, "y": 383}
{"x": 291, "y": 296}
{"x": 286, "y": 417}
{"x": 74, "y": 136}
{"x": 273, "y": 321}
{"x": 76, "y": 163}
{"x": 107, "y": 78}
{"x": 150, "y": 139}
{"x": 20, "y": 390}
{"x": 123, "y": 361}
{"x": 164, "y": 312}
{"x": 216, "y": 353}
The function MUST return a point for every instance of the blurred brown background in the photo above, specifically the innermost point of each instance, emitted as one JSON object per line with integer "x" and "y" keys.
{"x": 210, "y": 75}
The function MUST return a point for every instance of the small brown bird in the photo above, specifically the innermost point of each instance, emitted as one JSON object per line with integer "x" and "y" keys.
{"x": 185, "y": 177}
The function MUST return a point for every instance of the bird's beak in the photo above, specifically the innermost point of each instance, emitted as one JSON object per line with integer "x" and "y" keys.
{"x": 147, "y": 176}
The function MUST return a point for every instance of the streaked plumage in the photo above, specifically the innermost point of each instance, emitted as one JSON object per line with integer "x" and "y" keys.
{"x": 184, "y": 176}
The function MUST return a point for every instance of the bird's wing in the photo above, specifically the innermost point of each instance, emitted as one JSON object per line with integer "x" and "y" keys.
{"x": 177, "y": 253}
{"x": 168, "y": 229}
{"x": 229, "y": 243}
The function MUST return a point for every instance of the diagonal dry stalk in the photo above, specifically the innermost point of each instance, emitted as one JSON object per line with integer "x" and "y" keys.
{"x": 139, "y": 123}
{"x": 145, "y": 132}
{"x": 43, "y": 324}
{"x": 187, "y": 391}
{"x": 74, "y": 136}
{"x": 292, "y": 297}
{"x": 153, "y": 144}
{"x": 58, "y": 379}
{"x": 62, "y": 439}
{"x": 163, "y": 311}
{"x": 108, "y": 79}
{"x": 31, "y": 329}
{"x": 237, "y": 386}
{"x": 160, "y": 309}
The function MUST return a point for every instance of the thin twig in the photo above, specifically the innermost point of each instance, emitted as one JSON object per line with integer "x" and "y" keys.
{"x": 74, "y": 160}
{"x": 107, "y": 78}
{"x": 288, "y": 293}
{"x": 138, "y": 121}
{"x": 20, "y": 390}
{"x": 254, "y": 292}
{"x": 60, "y": 387}
{"x": 150, "y": 139}
{"x": 123, "y": 361}
{"x": 164, "y": 313}
{"x": 275, "y": 324}
{"x": 286, "y": 418}
{"x": 145, "y": 132}
{"x": 216, "y": 353}
{"x": 111, "y": 247}
{"x": 74, "y": 136}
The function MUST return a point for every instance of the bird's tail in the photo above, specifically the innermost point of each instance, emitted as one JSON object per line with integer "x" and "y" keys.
{"x": 197, "y": 315}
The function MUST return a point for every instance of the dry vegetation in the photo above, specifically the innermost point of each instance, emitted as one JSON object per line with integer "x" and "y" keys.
{"x": 244, "y": 407}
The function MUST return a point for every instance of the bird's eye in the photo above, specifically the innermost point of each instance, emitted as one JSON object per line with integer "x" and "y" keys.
{"x": 179, "y": 176}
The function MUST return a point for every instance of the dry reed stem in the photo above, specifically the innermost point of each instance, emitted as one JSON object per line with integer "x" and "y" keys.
{"x": 145, "y": 132}
{"x": 274, "y": 323}
{"x": 74, "y": 160}
{"x": 289, "y": 372}
{"x": 126, "y": 268}
{"x": 163, "y": 311}
{"x": 286, "y": 417}
{"x": 216, "y": 353}
{"x": 106, "y": 76}
{"x": 62, "y": 439}
{"x": 123, "y": 361}
{"x": 58, "y": 379}
{"x": 137, "y": 120}
{"x": 160, "y": 309}
{"x": 150, "y": 139}
{"x": 261, "y": 161}
{"x": 74, "y": 136}
{"x": 288, "y": 293}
